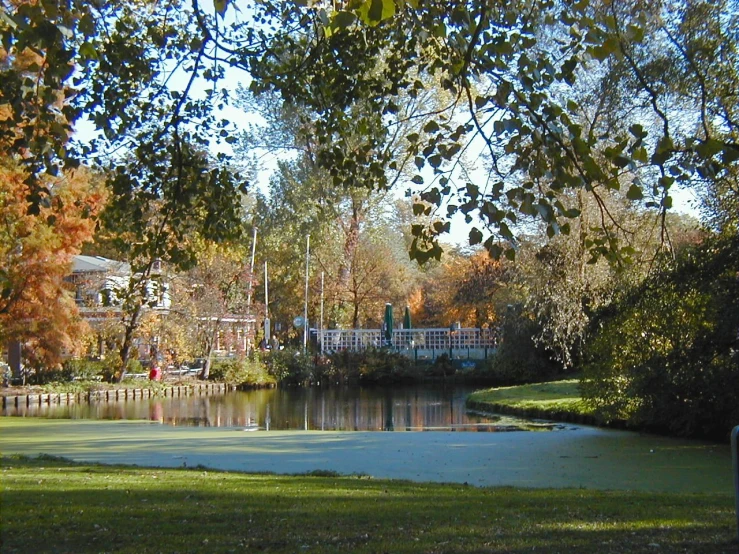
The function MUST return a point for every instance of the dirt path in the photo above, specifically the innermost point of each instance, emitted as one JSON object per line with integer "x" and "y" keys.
{"x": 580, "y": 457}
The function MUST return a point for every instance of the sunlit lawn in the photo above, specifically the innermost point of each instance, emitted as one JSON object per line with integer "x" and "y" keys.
{"x": 556, "y": 396}
{"x": 51, "y": 505}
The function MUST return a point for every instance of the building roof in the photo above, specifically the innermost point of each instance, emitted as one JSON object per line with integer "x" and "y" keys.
{"x": 98, "y": 264}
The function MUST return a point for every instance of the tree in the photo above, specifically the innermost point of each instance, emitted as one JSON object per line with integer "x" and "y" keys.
{"x": 305, "y": 198}
{"x": 36, "y": 250}
{"x": 467, "y": 287}
{"x": 565, "y": 285}
{"x": 352, "y": 243}
{"x": 159, "y": 208}
{"x": 211, "y": 297}
{"x": 512, "y": 70}
{"x": 129, "y": 69}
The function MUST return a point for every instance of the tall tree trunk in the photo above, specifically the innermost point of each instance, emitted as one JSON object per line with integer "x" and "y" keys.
{"x": 351, "y": 242}
{"x": 355, "y": 314}
{"x": 209, "y": 345}
{"x": 128, "y": 340}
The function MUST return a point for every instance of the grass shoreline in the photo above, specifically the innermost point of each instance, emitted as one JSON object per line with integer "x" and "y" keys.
{"x": 52, "y": 504}
{"x": 557, "y": 400}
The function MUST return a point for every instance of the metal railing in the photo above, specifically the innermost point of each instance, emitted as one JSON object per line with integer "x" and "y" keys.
{"x": 334, "y": 340}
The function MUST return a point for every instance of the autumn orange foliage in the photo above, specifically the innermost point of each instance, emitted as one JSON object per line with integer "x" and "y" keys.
{"x": 463, "y": 289}
{"x": 36, "y": 253}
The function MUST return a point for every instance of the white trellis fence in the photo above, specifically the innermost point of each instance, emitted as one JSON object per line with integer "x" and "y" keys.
{"x": 420, "y": 344}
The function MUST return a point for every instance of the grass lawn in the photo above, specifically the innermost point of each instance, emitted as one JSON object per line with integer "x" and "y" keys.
{"x": 53, "y": 505}
{"x": 554, "y": 398}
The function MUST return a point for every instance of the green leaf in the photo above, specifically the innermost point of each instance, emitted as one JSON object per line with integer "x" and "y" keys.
{"x": 731, "y": 154}
{"x": 638, "y": 131}
{"x": 473, "y": 191}
{"x": 494, "y": 250}
{"x": 87, "y": 25}
{"x": 435, "y": 160}
{"x": 475, "y": 236}
{"x": 221, "y": 6}
{"x": 372, "y": 12}
{"x": 431, "y": 127}
{"x": 634, "y": 193}
{"x": 663, "y": 151}
{"x": 87, "y": 51}
{"x": 621, "y": 161}
{"x": 343, "y": 20}
{"x": 51, "y": 8}
{"x": 505, "y": 231}
{"x": 709, "y": 148}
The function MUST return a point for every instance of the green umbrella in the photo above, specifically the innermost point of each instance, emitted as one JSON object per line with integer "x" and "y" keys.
{"x": 407, "y": 318}
{"x": 388, "y": 323}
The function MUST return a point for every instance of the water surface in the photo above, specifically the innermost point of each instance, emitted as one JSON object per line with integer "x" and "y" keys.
{"x": 400, "y": 408}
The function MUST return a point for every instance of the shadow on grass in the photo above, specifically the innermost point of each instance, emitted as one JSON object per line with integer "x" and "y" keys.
{"x": 52, "y": 505}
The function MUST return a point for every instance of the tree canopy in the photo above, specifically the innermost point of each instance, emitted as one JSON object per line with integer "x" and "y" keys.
{"x": 516, "y": 72}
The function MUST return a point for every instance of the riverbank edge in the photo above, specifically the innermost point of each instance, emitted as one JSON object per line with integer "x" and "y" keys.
{"x": 487, "y": 408}
{"x": 493, "y": 408}
{"x": 16, "y": 399}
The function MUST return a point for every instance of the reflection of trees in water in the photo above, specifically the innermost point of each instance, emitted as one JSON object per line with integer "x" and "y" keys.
{"x": 352, "y": 409}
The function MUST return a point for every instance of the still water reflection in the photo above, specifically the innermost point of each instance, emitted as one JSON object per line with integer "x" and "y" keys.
{"x": 417, "y": 408}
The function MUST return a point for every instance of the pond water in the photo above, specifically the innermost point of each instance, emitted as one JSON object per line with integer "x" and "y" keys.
{"x": 400, "y": 408}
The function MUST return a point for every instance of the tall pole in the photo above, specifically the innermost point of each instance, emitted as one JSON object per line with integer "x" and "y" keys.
{"x": 305, "y": 307}
{"x": 321, "y": 338}
{"x": 251, "y": 269}
{"x": 266, "y": 307}
{"x": 251, "y": 286}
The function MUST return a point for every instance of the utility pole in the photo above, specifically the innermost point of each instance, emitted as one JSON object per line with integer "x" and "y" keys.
{"x": 305, "y": 307}
{"x": 251, "y": 269}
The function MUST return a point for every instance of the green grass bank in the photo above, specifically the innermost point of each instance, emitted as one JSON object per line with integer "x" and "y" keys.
{"x": 560, "y": 400}
{"x": 53, "y": 505}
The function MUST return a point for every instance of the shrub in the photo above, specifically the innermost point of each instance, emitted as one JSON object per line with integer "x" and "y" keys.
{"x": 443, "y": 366}
{"x": 71, "y": 370}
{"x": 291, "y": 366}
{"x": 374, "y": 366}
{"x": 134, "y": 366}
{"x": 241, "y": 372}
{"x": 666, "y": 355}
{"x": 518, "y": 358}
